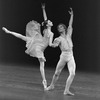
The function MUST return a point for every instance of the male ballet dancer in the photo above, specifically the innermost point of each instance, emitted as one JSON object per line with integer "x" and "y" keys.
{"x": 35, "y": 42}
{"x": 64, "y": 41}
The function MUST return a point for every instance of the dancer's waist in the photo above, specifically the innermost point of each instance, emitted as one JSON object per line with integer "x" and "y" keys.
{"x": 67, "y": 50}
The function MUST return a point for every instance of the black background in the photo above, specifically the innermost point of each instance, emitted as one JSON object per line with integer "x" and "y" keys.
{"x": 15, "y": 14}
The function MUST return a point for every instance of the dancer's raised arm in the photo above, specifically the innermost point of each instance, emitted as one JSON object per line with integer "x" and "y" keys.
{"x": 15, "y": 34}
{"x": 49, "y": 24}
{"x": 44, "y": 12}
{"x": 70, "y": 29}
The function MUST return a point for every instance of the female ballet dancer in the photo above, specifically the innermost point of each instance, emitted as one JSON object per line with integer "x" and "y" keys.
{"x": 35, "y": 42}
{"x": 64, "y": 41}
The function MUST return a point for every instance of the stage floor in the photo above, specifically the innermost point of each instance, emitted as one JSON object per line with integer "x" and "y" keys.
{"x": 24, "y": 83}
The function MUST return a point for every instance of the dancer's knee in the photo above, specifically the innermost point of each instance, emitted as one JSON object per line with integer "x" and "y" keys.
{"x": 42, "y": 59}
{"x": 72, "y": 71}
{"x": 57, "y": 73}
{"x": 72, "y": 74}
{"x": 41, "y": 67}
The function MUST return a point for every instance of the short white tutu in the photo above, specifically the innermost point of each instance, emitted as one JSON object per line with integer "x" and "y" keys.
{"x": 36, "y": 43}
{"x": 35, "y": 48}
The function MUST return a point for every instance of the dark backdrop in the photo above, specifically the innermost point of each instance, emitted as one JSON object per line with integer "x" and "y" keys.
{"x": 15, "y": 14}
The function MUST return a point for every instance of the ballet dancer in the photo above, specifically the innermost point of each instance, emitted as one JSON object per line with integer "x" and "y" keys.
{"x": 35, "y": 42}
{"x": 64, "y": 41}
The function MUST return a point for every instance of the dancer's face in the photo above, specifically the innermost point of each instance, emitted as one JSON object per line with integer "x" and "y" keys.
{"x": 61, "y": 28}
{"x": 50, "y": 23}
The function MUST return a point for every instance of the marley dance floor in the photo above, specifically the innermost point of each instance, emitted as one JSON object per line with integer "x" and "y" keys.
{"x": 24, "y": 83}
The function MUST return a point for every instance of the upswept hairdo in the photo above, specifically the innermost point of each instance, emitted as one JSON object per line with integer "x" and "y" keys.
{"x": 44, "y": 24}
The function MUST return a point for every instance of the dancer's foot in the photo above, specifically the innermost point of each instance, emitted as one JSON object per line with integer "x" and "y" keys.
{"x": 50, "y": 87}
{"x": 44, "y": 82}
{"x": 68, "y": 93}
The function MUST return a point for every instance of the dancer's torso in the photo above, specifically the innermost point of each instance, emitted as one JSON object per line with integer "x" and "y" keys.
{"x": 65, "y": 43}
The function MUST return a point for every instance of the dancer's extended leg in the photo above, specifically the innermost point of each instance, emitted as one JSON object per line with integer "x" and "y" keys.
{"x": 15, "y": 34}
{"x": 59, "y": 68}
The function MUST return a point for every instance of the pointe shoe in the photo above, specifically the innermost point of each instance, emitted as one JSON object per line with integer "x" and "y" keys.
{"x": 44, "y": 84}
{"x": 68, "y": 93}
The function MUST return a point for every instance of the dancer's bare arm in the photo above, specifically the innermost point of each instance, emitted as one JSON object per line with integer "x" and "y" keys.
{"x": 15, "y": 34}
{"x": 56, "y": 42}
{"x": 70, "y": 29}
{"x": 44, "y": 12}
{"x": 51, "y": 39}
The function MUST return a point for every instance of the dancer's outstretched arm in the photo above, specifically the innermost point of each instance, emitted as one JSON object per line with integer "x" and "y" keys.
{"x": 70, "y": 29}
{"x": 44, "y": 12}
{"x": 15, "y": 34}
{"x": 56, "y": 42}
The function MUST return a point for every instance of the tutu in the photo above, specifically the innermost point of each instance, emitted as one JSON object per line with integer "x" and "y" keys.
{"x": 35, "y": 48}
{"x": 35, "y": 43}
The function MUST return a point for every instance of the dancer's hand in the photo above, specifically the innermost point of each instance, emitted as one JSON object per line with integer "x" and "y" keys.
{"x": 71, "y": 11}
{"x": 43, "y": 6}
{"x": 3, "y": 28}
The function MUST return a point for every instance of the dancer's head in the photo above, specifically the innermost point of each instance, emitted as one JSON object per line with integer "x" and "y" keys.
{"x": 32, "y": 27}
{"x": 62, "y": 28}
{"x": 47, "y": 23}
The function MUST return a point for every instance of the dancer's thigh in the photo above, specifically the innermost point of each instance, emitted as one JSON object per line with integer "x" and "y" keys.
{"x": 71, "y": 66}
{"x": 60, "y": 65}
